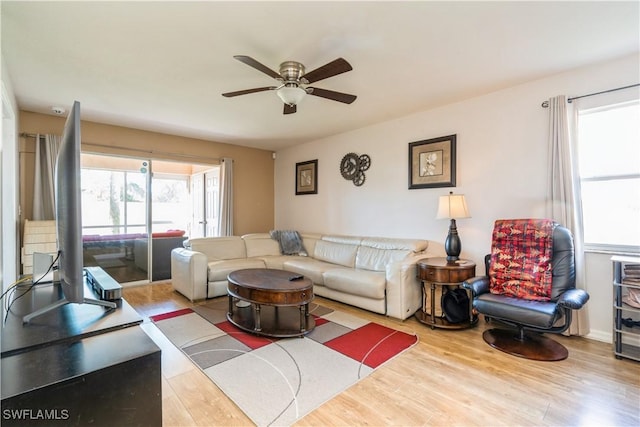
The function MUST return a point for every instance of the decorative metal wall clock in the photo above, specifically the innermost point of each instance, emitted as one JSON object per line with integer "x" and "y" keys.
{"x": 353, "y": 166}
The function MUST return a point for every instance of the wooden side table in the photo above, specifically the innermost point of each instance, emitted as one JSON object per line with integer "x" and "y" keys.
{"x": 437, "y": 272}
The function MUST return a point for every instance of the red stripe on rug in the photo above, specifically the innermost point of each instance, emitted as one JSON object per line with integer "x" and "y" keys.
{"x": 372, "y": 344}
{"x": 250, "y": 340}
{"x": 171, "y": 314}
{"x": 320, "y": 320}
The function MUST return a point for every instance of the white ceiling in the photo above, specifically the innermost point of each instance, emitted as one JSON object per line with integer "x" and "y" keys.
{"x": 162, "y": 66}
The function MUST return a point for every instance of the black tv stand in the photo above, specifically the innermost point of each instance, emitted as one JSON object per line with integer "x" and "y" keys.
{"x": 72, "y": 363}
{"x": 52, "y": 319}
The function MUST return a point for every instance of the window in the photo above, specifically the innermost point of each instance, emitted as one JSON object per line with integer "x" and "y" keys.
{"x": 609, "y": 163}
{"x": 170, "y": 201}
{"x": 113, "y": 201}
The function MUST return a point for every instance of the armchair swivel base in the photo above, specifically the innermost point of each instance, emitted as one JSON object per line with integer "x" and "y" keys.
{"x": 530, "y": 345}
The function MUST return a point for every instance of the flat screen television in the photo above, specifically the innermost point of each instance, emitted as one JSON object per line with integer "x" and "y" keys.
{"x": 69, "y": 219}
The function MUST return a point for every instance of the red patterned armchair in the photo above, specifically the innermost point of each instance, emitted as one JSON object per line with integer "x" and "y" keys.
{"x": 530, "y": 285}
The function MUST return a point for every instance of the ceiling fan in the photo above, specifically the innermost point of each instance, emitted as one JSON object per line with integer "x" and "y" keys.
{"x": 293, "y": 81}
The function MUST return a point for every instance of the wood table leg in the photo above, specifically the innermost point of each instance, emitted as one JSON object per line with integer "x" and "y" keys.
{"x": 433, "y": 304}
{"x": 257, "y": 327}
{"x": 303, "y": 318}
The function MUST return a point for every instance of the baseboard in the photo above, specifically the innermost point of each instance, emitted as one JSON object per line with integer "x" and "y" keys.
{"x": 603, "y": 336}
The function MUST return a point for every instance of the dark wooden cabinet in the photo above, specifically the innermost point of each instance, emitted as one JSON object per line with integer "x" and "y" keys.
{"x": 79, "y": 365}
{"x": 104, "y": 380}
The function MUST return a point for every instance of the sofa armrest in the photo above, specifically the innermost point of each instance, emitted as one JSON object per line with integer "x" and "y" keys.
{"x": 189, "y": 273}
{"x": 477, "y": 285}
{"x": 404, "y": 291}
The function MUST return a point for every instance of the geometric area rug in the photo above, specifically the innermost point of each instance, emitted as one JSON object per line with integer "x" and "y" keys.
{"x": 276, "y": 381}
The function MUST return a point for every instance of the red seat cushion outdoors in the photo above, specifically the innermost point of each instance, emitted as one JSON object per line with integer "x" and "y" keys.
{"x": 169, "y": 233}
{"x": 521, "y": 253}
{"x": 110, "y": 237}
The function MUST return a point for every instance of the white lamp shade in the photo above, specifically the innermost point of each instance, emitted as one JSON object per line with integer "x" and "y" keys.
{"x": 452, "y": 206}
{"x": 291, "y": 95}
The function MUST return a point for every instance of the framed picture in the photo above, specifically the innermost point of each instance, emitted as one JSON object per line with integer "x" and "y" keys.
{"x": 307, "y": 177}
{"x": 432, "y": 163}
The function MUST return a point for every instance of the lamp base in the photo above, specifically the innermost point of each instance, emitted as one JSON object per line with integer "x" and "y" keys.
{"x": 452, "y": 245}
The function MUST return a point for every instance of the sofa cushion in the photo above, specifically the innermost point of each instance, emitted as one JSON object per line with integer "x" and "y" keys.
{"x": 345, "y": 240}
{"x": 277, "y": 261}
{"x": 413, "y": 245}
{"x": 370, "y": 284}
{"x": 309, "y": 241}
{"x": 377, "y": 259}
{"x": 375, "y": 253}
{"x": 260, "y": 244}
{"x": 216, "y": 248}
{"x": 335, "y": 253}
{"x": 219, "y": 270}
{"x": 309, "y": 267}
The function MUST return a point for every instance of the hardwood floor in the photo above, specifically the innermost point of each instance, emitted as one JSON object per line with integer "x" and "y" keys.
{"x": 448, "y": 378}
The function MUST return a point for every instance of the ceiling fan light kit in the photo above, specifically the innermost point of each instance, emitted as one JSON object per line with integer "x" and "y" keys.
{"x": 293, "y": 81}
{"x": 291, "y": 95}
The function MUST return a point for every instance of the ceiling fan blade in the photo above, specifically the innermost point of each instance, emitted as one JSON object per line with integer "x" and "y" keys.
{"x": 248, "y": 91}
{"x": 289, "y": 109}
{"x": 258, "y": 66}
{"x": 330, "y": 94}
{"x": 331, "y": 69}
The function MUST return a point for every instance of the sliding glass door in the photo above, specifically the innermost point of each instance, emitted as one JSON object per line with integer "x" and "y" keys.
{"x": 136, "y": 211}
{"x": 115, "y": 215}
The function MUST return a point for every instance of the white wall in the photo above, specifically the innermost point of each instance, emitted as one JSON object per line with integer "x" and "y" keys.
{"x": 501, "y": 169}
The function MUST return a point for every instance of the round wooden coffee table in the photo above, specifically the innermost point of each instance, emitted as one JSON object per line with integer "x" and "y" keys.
{"x": 278, "y": 302}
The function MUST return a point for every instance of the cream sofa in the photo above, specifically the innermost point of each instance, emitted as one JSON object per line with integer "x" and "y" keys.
{"x": 374, "y": 273}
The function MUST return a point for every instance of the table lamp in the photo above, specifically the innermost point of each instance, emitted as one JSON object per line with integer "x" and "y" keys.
{"x": 452, "y": 206}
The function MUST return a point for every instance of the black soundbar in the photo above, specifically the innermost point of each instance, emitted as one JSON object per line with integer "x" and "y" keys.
{"x": 103, "y": 285}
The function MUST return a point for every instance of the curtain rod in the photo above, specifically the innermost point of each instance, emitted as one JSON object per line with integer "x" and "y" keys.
{"x": 206, "y": 160}
{"x": 31, "y": 135}
{"x": 545, "y": 104}
{"x": 177, "y": 156}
